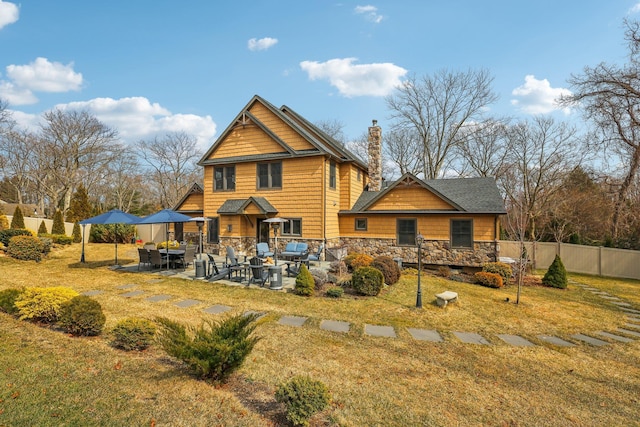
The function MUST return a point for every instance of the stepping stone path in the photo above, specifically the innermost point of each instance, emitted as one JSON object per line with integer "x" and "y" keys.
{"x": 555, "y": 341}
{"x": 632, "y": 325}
{"x": 335, "y": 326}
{"x": 217, "y": 309}
{"x": 628, "y": 332}
{"x": 260, "y": 314}
{"x": 425, "y": 335}
{"x": 292, "y": 320}
{"x": 379, "y": 331}
{"x": 92, "y": 293}
{"x": 132, "y": 294}
{"x": 614, "y": 337}
{"x": 471, "y": 338}
{"x": 158, "y": 298}
{"x": 621, "y": 303}
{"x": 589, "y": 340}
{"x": 187, "y": 303}
{"x": 129, "y": 286}
{"x": 515, "y": 340}
{"x": 629, "y": 310}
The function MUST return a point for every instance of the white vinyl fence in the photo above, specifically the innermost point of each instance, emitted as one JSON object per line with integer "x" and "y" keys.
{"x": 596, "y": 260}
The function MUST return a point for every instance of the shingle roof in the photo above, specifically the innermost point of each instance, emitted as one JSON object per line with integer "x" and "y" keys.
{"x": 236, "y": 206}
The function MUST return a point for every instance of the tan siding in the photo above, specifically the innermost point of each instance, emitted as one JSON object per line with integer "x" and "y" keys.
{"x": 279, "y": 127}
{"x": 410, "y": 198}
{"x": 246, "y": 141}
{"x": 193, "y": 202}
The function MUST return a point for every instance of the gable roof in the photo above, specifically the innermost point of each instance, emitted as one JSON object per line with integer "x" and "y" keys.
{"x": 195, "y": 189}
{"x": 322, "y": 143}
{"x": 468, "y": 195}
{"x": 237, "y": 206}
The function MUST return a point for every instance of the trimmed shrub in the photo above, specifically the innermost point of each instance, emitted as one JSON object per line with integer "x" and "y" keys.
{"x": 43, "y": 304}
{"x": 8, "y": 300}
{"x": 303, "y": 397}
{"x": 357, "y": 260}
{"x": 133, "y": 334}
{"x": 6, "y": 235}
{"x": 335, "y": 292}
{"x": 58, "y": 223}
{"x": 26, "y": 248}
{"x": 305, "y": 284}
{"x": 43, "y": 228}
{"x": 46, "y": 244}
{"x": 503, "y": 269}
{"x": 367, "y": 281}
{"x": 556, "y": 275}
{"x": 77, "y": 234}
{"x": 4, "y": 221}
{"x": 213, "y": 352}
{"x": 18, "y": 220}
{"x": 389, "y": 269}
{"x": 82, "y": 316}
{"x": 492, "y": 280}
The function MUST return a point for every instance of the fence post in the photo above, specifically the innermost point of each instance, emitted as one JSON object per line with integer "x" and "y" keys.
{"x": 599, "y": 260}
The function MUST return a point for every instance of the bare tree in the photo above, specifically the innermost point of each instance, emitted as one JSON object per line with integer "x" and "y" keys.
{"x": 400, "y": 146}
{"x": 609, "y": 95}
{"x": 484, "y": 148}
{"x": 16, "y": 150}
{"x": 333, "y": 128}
{"x": 172, "y": 160}
{"x": 436, "y": 108}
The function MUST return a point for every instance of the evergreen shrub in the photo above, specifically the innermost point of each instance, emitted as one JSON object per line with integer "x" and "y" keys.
{"x": 6, "y": 235}
{"x": 42, "y": 229}
{"x": 335, "y": 292}
{"x": 133, "y": 334}
{"x": 26, "y": 248}
{"x": 76, "y": 236}
{"x": 18, "y": 219}
{"x": 389, "y": 268}
{"x": 4, "y": 221}
{"x": 43, "y": 304}
{"x": 367, "y": 281}
{"x": 303, "y": 397}
{"x": 357, "y": 260}
{"x": 8, "y": 300}
{"x": 305, "y": 283}
{"x": 82, "y": 316}
{"x": 58, "y": 223}
{"x": 556, "y": 275}
{"x": 503, "y": 269}
{"x": 491, "y": 280}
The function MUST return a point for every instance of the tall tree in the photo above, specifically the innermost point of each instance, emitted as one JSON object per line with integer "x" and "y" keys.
{"x": 484, "y": 148}
{"x": 80, "y": 208}
{"x": 609, "y": 95}
{"x": 16, "y": 149}
{"x": 436, "y": 108}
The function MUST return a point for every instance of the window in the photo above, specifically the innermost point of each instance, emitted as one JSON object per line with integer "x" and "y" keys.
{"x": 332, "y": 174}
{"x": 213, "y": 230}
{"x": 270, "y": 175}
{"x": 361, "y": 224}
{"x": 461, "y": 233}
{"x": 406, "y": 229}
{"x": 224, "y": 178}
{"x": 293, "y": 227}
{"x": 359, "y": 175}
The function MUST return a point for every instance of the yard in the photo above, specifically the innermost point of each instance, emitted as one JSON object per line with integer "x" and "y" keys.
{"x": 48, "y": 378}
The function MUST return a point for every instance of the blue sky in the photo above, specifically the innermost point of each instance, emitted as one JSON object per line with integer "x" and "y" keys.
{"x": 151, "y": 67}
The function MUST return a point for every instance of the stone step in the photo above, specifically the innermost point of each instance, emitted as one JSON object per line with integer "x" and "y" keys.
{"x": 555, "y": 341}
{"x": 628, "y": 332}
{"x": 471, "y": 338}
{"x": 614, "y": 337}
{"x": 217, "y": 309}
{"x": 132, "y": 294}
{"x": 589, "y": 340}
{"x": 425, "y": 335}
{"x": 515, "y": 340}
{"x": 186, "y": 303}
{"x": 292, "y": 320}
{"x": 335, "y": 326}
{"x": 379, "y": 331}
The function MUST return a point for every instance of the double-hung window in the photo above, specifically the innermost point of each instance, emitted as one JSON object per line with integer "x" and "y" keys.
{"x": 461, "y": 233}
{"x": 270, "y": 175}
{"x": 293, "y": 227}
{"x": 224, "y": 178}
{"x": 332, "y": 175}
{"x": 406, "y": 231}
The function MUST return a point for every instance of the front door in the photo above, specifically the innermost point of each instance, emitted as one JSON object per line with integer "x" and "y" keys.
{"x": 263, "y": 232}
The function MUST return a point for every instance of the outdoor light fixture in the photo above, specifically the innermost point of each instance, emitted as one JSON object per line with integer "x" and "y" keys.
{"x": 419, "y": 240}
{"x": 275, "y": 224}
{"x": 200, "y": 223}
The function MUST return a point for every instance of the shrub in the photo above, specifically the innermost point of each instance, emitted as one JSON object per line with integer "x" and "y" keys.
{"x": 8, "y": 300}
{"x": 367, "y": 281}
{"x": 556, "y": 275}
{"x": 26, "y": 248}
{"x": 46, "y": 244}
{"x": 82, "y": 316}
{"x": 492, "y": 280}
{"x": 6, "y": 235}
{"x": 43, "y": 304}
{"x": 303, "y": 397}
{"x": 444, "y": 271}
{"x": 18, "y": 220}
{"x": 305, "y": 284}
{"x": 503, "y": 269}
{"x": 43, "y": 228}
{"x": 123, "y": 233}
{"x": 213, "y": 352}
{"x": 389, "y": 269}
{"x": 58, "y": 223}
{"x": 133, "y": 334}
{"x": 4, "y": 221}
{"x": 335, "y": 292}
{"x": 344, "y": 281}
{"x": 77, "y": 234}
{"x": 356, "y": 260}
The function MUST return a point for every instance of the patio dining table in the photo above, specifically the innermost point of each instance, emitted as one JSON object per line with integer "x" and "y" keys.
{"x": 173, "y": 254}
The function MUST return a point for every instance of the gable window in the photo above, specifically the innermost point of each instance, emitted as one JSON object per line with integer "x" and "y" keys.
{"x": 224, "y": 178}
{"x": 270, "y": 175}
{"x": 406, "y": 231}
{"x": 293, "y": 227}
{"x": 361, "y": 224}
{"x": 332, "y": 174}
{"x": 461, "y": 233}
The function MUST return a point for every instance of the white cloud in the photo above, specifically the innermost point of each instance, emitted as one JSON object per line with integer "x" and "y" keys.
{"x": 370, "y": 13}
{"x": 356, "y": 80}
{"x": 9, "y": 13}
{"x": 634, "y": 9}
{"x": 261, "y": 44}
{"x": 44, "y": 76}
{"x": 537, "y": 96}
{"x": 15, "y": 95}
{"x": 136, "y": 118}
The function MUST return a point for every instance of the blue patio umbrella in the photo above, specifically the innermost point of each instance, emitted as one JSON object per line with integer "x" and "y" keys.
{"x": 115, "y": 216}
{"x": 165, "y": 216}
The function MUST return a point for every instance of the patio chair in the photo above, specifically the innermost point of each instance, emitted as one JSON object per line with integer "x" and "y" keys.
{"x": 144, "y": 257}
{"x": 157, "y": 259}
{"x": 187, "y": 257}
{"x": 213, "y": 273}
{"x": 258, "y": 273}
{"x": 263, "y": 251}
{"x": 316, "y": 256}
{"x": 232, "y": 263}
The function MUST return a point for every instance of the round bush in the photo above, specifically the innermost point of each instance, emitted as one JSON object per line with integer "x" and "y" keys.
{"x": 367, "y": 281}
{"x": 6, "y": 235}
{"x": 356, "y": 260}
{"x": 305, "y": 284}
{"x": 82, "y": 316}
{"x": 556, "y": 275}
{"x": 335, "y": 292}
{"x": 303, "y": 398}
{"x": 8, "y": 300}
{"x": 43, "y": 304}
{"x": 389, "y": 269}
{"x": 26, "y": 248}
{"x": 133, "y": 334}
{"x": 501, "y": 268}
{"x": 492, "y": 280}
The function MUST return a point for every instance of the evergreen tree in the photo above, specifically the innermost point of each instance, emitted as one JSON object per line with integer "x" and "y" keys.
{"x": 79, "y": 208}
{"x": 58, "y": 224}
{"x": 4, "y": 221}
{"x": 556, "y": 275}
{"x": 43, "y": 228}
{"x": 18, "y": 220}
{"x": 77, "y": 235}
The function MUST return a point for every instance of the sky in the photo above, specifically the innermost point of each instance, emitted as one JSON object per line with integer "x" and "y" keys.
{"x": 147, "y": 68}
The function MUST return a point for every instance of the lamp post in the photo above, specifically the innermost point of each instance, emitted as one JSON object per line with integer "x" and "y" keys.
{"x": 419, "y": 240}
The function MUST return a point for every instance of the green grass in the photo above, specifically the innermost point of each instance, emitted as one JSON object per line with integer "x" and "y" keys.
{"x": 49, "y": 378}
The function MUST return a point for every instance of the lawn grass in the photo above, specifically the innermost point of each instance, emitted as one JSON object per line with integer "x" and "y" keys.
{"x": 49, "y": 378}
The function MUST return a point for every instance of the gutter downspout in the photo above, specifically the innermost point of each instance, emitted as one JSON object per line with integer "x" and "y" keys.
{"x": 324, "y": 200}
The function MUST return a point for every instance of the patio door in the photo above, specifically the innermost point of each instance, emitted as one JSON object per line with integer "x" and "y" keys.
{"x": 263, "y": 231}
{"x": 179, "y": 231}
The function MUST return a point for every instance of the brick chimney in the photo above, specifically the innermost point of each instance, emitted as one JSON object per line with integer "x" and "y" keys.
{"x": 375, "y": 157}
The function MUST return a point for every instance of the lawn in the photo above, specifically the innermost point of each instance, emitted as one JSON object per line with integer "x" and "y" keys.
{"x": 49, "y": 378}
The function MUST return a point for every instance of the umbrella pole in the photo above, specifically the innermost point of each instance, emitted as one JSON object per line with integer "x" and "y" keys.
{"x": 166, "y": 231}
{"x": 82, "y": 256}
{"x": 116, "y": 237}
